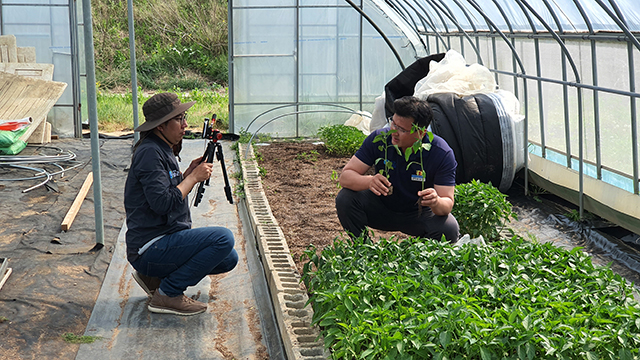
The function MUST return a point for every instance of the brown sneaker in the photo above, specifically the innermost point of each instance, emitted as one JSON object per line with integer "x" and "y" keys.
{"x": 178, "y": 305}
{"x": 147, "y": 283}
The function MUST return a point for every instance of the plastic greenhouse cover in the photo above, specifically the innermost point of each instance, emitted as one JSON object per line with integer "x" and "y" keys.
{"x": 412, "y": 36}
{"x": 629, "y": 9}
{"x": 566, "y": 12}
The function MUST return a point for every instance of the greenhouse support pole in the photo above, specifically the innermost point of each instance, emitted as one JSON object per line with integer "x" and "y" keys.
{"x": 134, "y": 77}
{"x": 230, "y": 85}
{"x": 296, "y": 65}
{"x": 93, "y": 121}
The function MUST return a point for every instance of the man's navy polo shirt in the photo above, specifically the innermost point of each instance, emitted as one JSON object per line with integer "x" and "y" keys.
{"x": 439, "y": 169}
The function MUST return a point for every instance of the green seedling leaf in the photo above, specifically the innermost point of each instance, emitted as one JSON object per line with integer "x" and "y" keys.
{"x": 341, "y": 140}
{"x": 485, "y": 353}
{"x": 531, "y": 351}
{"x": 513, "y": 316}
{"x": 445, "y": 339}
{"x": 384, "y": 148}
{"x": 348, "y": 304}
{"x": 592, "y": 356}
{"x": 400, "y": 346}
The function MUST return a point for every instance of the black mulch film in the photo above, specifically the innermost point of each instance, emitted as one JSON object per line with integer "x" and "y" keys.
{"x": 56, "y": 276}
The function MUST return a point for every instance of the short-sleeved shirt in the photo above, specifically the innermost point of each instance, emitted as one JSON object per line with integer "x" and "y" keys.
{"x": 439, "y": 166}
{"x": 152, "y": 200}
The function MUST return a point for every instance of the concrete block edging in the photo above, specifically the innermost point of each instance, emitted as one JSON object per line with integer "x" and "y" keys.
{"x": 288, "y": 295}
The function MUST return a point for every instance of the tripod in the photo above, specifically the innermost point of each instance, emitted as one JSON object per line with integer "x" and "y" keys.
{"x": 214, "y": 147}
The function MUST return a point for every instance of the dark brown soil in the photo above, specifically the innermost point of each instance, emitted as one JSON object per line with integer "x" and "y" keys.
{"x": 301, "y": 186}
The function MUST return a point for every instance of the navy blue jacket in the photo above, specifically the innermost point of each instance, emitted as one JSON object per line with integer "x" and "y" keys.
{"x": 152, "y": 200}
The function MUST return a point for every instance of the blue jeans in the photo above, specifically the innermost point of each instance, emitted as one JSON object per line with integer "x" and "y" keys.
{"x": 184, "y": 258}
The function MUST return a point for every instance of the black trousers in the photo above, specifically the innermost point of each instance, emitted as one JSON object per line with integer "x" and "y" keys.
{"x": 359, "y": 209}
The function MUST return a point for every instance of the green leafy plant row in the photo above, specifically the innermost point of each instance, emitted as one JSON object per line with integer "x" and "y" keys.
{"x": 426, "y": 299}
{"x": 481, "y": 209}
{"x": 341, "y": 140}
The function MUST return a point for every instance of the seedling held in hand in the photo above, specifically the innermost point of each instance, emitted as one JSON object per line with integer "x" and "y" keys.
{"x": 417, "y": 148}
{"x": 385, "y": 136}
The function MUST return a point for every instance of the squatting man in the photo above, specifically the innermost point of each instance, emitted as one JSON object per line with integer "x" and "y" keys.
{"x": 365, "y": 200}
{"x": 167, "y": 254}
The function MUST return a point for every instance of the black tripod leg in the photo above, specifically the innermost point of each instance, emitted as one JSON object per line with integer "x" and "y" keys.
{"x": 208, "y": 157}
{"x": 227, "y": 188}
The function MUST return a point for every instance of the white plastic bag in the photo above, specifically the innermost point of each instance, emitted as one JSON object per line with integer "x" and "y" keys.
{"x": 360, "y": 121}
{"x": 453, "y": 75}
{"x": 379, "y": 118}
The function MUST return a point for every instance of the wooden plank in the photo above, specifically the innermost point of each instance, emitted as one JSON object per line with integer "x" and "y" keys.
{"x": 33, "y": 70}
{"x": 37, "y": 137}
{"x": 47, "y": 133}
{"x": 5, "y": 277}
{"x": 22, "y": 97}
{"x": 26, "y": 54}
{"x": 4, "y": 263}
{"x": 75, "y": 207}
{"x": 8, "y": 49}
{"x": 35, "y": 124}
{"x": 5, "y": 271}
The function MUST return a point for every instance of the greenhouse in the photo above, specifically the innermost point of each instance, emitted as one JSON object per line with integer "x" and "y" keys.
{"x": 533, "y": 97}
{"x": 298, "y": 65}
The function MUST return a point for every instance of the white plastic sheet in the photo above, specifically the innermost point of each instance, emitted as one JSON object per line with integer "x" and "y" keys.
{"x": 379, "y": 118}
{"x": 360, "y": 121}
{"x": 453, "y": 75}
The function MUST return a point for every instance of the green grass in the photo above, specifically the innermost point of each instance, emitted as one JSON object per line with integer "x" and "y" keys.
{"x": 77, "y": 339}
{"x": 179, "y": 43}
{"x": 115, "y": 110}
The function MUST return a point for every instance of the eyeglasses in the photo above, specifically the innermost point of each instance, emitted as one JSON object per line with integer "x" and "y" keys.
{"x": 182, "y": 118}
{"x": 393, "y": 126}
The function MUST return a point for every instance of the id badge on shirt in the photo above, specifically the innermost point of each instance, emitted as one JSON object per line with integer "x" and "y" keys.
{"x": 418, "y": 176}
